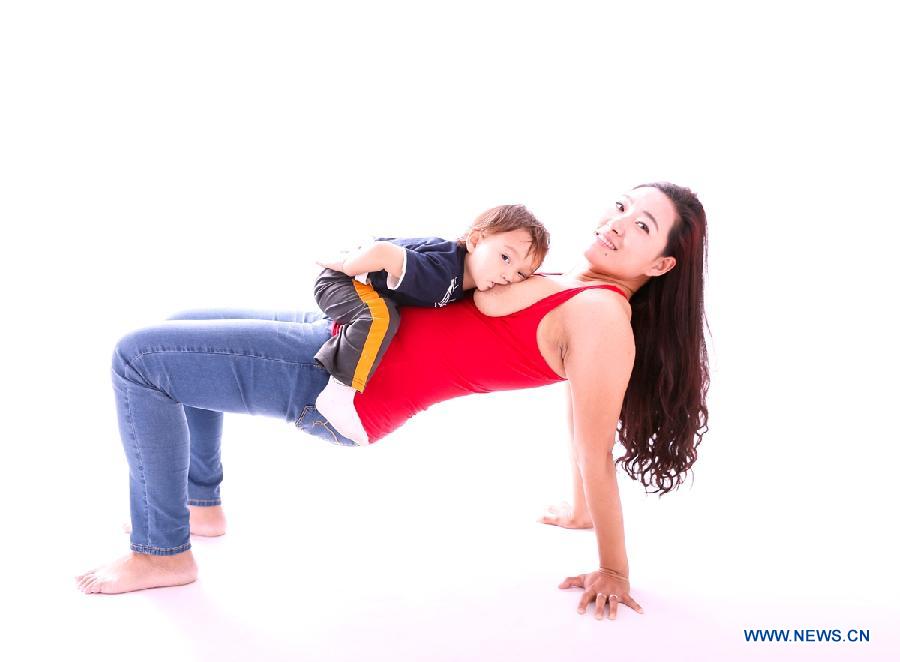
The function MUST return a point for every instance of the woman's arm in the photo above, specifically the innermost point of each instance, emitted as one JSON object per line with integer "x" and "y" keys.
{"x": 598, "y": 356}
{"x": 580, "y": 513}
{"x": 598, "y": 359}
{"x": 577, "y": 515}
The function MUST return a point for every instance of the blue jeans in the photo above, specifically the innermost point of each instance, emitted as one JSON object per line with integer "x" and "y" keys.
{"x": 172, "y": 383}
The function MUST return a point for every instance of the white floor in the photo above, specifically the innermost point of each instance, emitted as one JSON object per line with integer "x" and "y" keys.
{"x": 427, "y": 547}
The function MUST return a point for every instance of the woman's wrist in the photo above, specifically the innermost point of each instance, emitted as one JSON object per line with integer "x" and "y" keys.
{"x": 614, "y": 573}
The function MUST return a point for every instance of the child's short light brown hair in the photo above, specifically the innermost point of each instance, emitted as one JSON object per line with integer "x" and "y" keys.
{"x": 507, "y": 218}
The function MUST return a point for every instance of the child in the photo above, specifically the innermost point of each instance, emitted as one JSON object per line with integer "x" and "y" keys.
{"x": 361, "y": 292}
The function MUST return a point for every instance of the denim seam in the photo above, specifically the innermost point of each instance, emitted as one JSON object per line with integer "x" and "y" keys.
{"x": 333, "y": 435}
{"x": 180, "y": 548}
{"x": 323, "y": 424}
{"x": 303, "y": 413}
{"x": 201, "y": 502}
{"x": 226, "y": 353}
{"x": 140, "y": 457}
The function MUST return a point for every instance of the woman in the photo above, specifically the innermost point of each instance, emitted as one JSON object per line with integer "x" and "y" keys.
{"x": 644, "y": 269}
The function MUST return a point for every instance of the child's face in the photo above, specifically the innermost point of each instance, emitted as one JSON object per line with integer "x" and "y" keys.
{"x": 498, "y": 259}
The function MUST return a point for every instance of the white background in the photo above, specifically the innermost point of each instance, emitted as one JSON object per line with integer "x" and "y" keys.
{"x": 170, "y": 155}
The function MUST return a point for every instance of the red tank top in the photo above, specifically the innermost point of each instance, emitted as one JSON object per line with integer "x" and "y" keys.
{"x": 443, "y": 353}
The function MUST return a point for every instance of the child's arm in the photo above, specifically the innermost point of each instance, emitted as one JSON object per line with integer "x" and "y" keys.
{"x": 378, "y": 256}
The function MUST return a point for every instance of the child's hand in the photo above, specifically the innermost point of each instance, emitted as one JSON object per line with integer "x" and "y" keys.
{"x": 335, "y": 262}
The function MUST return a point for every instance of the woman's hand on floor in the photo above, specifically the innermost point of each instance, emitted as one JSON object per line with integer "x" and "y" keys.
{"x": 564, "y": 515}
{"x": 601, "y": 588}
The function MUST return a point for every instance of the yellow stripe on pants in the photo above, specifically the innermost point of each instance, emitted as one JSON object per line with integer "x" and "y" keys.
{"x": 376, "y": 334}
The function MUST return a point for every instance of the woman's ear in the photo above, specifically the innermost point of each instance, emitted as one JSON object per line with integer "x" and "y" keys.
{"x": 660, "y": 266}
{"x": 472, "y": 240}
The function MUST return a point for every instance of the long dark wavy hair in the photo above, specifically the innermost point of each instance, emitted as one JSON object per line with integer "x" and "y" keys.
{"x": 664, "y": 413}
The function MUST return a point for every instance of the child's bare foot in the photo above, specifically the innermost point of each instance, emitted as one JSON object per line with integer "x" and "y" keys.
{"x": 205, "y": 521}
{"x": 134, "y": 572}
{"x": 564, "y": 516}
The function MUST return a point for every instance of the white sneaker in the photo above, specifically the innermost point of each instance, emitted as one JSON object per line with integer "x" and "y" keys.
{"x": 335, "y": 403}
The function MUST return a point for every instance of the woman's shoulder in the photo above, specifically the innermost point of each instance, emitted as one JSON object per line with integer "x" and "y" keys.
{"x": 596, "y": 333}
{"x": 597, "y": 315}
{"x": 594, "y": 300}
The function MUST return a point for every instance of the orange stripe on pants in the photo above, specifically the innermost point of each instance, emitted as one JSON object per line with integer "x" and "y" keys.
{"x": 376, "y": 334}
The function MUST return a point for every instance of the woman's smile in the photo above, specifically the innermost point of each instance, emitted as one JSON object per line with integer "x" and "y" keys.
{"x": 601, "y": 238}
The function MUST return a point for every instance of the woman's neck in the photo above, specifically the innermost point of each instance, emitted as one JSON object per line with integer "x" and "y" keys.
{"x": 584, "y": 274}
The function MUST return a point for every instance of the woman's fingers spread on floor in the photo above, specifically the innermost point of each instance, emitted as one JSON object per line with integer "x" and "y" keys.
{"x": 569, "y": 582}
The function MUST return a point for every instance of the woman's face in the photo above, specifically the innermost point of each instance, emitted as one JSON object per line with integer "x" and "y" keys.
{"x": 631, "y": 235}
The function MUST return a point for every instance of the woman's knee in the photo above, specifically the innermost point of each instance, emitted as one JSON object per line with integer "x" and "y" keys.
{"x": 223, "y": 314}
{"x": 190, "y": 314}
{"x": 132, "y": 346}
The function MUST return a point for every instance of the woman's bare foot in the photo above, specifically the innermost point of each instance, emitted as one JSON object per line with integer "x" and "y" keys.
{"x": 134, "y": 572}
{"x": 205, "y": 521}
{"x": 563, "y": 515}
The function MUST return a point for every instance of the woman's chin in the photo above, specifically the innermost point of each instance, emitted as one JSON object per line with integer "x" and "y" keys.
{"x": 600, "y": 261}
